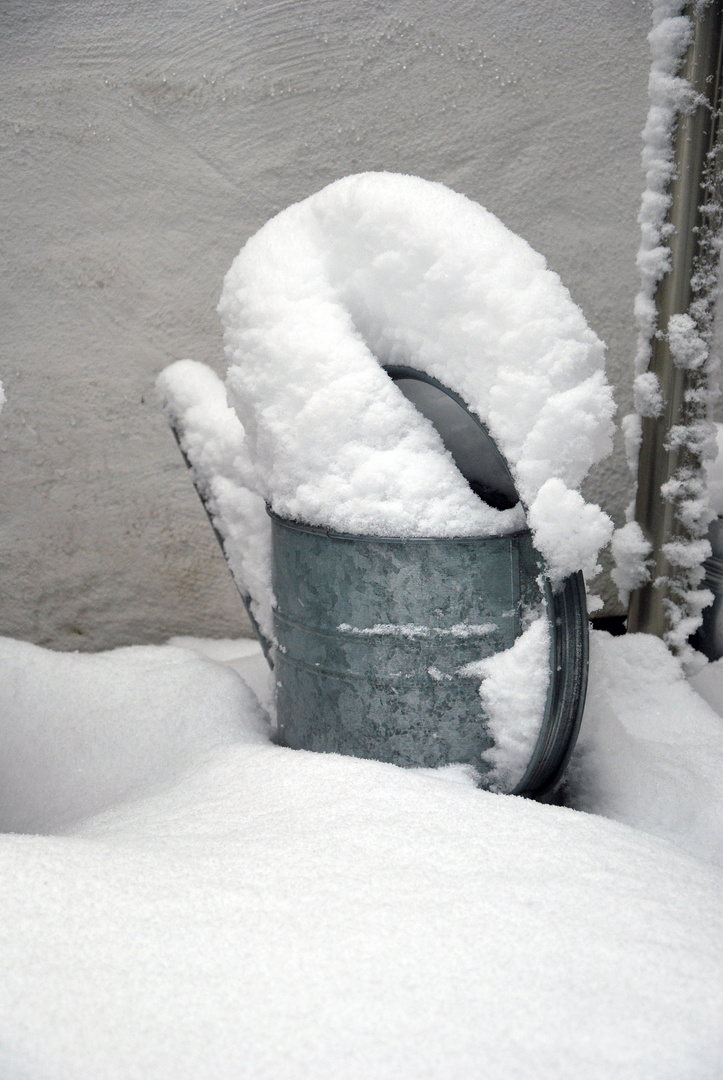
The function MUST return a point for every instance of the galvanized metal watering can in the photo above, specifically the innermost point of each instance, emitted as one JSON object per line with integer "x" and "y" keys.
{"x": 371, "y": 632}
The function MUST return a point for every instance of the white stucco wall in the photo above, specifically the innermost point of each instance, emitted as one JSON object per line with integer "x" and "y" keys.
{"x": 142, "y": 143}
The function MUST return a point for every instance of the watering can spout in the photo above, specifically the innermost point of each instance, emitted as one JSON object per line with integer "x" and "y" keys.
{"x": 467, "y": 439}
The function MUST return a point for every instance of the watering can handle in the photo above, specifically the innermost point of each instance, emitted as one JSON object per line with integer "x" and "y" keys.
{"x": 569, "y": 657}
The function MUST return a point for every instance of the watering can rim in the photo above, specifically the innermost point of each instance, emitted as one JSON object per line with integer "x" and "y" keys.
{"x": 406, "y": 371}
{"x": 322, "y": 530}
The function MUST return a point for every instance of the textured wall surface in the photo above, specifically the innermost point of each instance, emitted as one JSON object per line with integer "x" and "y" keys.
{"x": 142, "y": 143}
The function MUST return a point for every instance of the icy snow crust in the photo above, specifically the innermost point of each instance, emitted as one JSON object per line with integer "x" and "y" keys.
{"x": 250, "y": 911}
{"x": 388, "y": 269}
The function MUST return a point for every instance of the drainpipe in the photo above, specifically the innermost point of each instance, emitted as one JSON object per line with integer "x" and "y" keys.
{"x": 694, "y": 260}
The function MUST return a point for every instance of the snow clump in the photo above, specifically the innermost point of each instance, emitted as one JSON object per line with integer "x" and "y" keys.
{"x": 212, "y": 440}
{"x": 631, "y": 552}
{"x": 379, "y": 270}
{"x": 506, "y": 694}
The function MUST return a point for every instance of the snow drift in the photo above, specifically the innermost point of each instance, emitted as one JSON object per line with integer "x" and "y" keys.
{"x": 247, "y": 910}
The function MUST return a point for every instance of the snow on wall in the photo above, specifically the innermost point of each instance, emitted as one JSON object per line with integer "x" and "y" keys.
{"x": 144, "y": 143}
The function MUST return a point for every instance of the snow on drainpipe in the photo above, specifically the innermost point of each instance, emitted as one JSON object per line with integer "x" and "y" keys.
{"x": 671, "y": 505}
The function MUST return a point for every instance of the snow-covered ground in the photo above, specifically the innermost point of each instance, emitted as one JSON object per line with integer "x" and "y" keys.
{"x": 186, "y": 899}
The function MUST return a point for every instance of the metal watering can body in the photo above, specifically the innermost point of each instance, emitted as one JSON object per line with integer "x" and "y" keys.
{"x": 373, "y": 631}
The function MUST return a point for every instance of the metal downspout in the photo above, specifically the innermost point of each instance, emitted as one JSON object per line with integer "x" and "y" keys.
{"x": 696, "y": 136}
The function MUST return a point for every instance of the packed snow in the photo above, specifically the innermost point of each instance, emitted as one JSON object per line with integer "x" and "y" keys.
{"x": 222, "y": 907}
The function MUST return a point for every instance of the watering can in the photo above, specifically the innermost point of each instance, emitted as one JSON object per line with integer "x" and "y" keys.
{"x": 373, "y": 631}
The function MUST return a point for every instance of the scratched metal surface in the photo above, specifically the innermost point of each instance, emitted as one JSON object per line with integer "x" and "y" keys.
{"x": 372, "y": 634}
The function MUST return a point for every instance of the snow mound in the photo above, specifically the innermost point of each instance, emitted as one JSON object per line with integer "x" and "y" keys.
{"x": 81, "y": 732}
{"x": 381, "y": 269}
{"x": 650, "y": 750}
